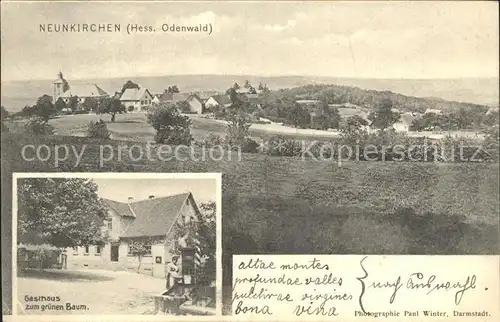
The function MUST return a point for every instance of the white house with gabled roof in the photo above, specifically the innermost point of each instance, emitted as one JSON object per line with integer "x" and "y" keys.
{"x": 136, "y": 99}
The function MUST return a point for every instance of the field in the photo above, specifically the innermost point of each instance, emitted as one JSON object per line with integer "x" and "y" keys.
{"x": 287, "y": 205}
{"x": 134, "y": 127}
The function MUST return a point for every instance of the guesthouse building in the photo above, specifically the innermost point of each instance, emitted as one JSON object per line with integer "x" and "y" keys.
{"x": 157, "y": 223}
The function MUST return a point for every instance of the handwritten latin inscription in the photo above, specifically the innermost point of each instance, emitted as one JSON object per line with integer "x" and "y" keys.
{"x": 267, "y": 284}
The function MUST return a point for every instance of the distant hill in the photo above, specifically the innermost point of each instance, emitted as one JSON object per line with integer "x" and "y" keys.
{"x": 16, "y": 94}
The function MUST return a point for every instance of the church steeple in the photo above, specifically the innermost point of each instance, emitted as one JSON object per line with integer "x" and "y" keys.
{"x": 58, "y": 86}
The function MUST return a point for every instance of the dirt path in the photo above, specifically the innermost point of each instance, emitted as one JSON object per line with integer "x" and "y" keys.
{"x": 87, "y": 292}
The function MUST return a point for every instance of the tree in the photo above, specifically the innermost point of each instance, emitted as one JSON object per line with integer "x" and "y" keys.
{"x": 60, "y": 105}
{"x": 73, "y": 103}
{"x": 329, "y": 118}
{"x": 353, "y": 126}
{"x": 90, "y": 104}
{"x": 299, "y": 116}
{"x": 44, "y": 108}
{"x": 4, "y": 115}
{"x": 238, "y": 125}
{"x": 383, "y": 116}
{"x": 252, "y": 90}
{"x": 140, "y": 247}
{"x": 129, "y": 84}
{"x": 174, "y": 89}
{"x": 65, "y": 82}
{"x": 109, "y": 106}
{"x": 171, "y": 127}
{"x": 63, "y": 212}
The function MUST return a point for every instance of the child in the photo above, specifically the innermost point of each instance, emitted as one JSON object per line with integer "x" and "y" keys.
{"x": 172, "y": 273}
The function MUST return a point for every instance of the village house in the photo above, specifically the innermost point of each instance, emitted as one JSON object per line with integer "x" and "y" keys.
{"x": 136, "y": 99}
{"x": 156, "y": 99}
{"x": 155, "y": 222}
{"x": 218, "y": 100}
{"x": 180, "y": 97}
{"x": 405, "y": 121}
{"x": 434, "y": 111}
{"x": 195, "y": 104}
{"x": 492, "y": 110}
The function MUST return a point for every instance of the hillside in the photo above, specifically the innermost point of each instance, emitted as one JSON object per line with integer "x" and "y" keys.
{"x": 16, "y": 94}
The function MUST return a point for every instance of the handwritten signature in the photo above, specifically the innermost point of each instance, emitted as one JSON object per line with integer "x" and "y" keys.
{"x": 414, "y": 281}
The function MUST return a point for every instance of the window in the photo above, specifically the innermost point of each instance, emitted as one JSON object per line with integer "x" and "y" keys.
{"x": 98, "y": 250}
{"x": 110, "y": 225}
{"x": 86, "y": 250}
{"x": 75, "y": 250}
{"x": 146, "y": 253}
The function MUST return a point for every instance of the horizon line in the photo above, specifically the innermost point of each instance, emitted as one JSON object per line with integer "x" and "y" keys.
{"x": 257, "y": 76}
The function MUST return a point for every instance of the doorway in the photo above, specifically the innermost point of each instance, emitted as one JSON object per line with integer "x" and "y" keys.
{"x": 114, "y": 253}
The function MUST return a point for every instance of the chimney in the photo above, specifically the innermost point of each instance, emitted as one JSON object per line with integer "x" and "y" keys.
{"x": 151, "y": 196}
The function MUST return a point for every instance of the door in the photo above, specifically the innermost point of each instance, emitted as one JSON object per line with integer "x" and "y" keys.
{"x": 114, "y": 253}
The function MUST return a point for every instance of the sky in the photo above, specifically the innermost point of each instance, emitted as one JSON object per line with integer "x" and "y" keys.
{"x": 365, "y": 40}
{"x": 140, "y": 189}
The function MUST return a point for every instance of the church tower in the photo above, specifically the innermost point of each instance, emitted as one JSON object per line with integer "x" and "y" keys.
{"x": 58, "y": 86}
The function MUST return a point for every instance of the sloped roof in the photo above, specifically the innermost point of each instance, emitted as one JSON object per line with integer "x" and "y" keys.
{"x": 133, "y": 94}
{"x": 492, "y": 110}
{"x": 84, "y": 90}
{"x": 180, "y": 97}
{"x": 222, "y": 99}
{"x": 153, "y": 217}
{"x": 408, "y": 119}
{"x": 204, "y": 95}
{"x": 431, "y": 110}
{"x": 122, "y": 209}
{"x": 195, "y": 96}
{"x": 307, "y": 101}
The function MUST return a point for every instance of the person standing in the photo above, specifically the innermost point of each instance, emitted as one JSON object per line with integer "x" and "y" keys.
{"x": 172, "y": 273}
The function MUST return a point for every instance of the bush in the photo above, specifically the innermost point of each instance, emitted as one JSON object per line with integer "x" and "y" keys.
{"x": 282, "y": 146}
{"x": 237, "y": 127}
{"x": 211, "y": 140}
{"x": 130, "y": 108}
{"x": 220, "y": 113}
{"x": 98, "y": 130}
{"x": 38, "y": 126}
{"x": 37, "y": 256}
{"x": 171, "y": 127}
{"x": 250, "y": 146}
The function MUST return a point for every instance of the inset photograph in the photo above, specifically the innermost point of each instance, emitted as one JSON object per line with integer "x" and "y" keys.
{"x": 138, "y": 244}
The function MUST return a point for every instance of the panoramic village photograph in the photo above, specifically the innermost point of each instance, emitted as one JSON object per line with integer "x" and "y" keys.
{"x": 116, "y": 245}
{"x": 340, "y": 128}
